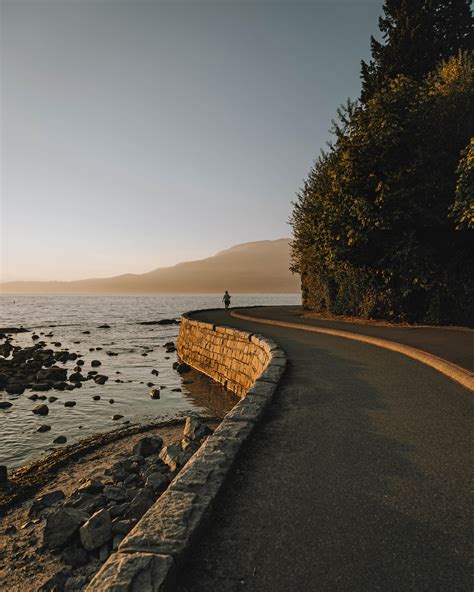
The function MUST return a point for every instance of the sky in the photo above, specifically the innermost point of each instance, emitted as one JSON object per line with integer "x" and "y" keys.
{"x": 137, "y": 134}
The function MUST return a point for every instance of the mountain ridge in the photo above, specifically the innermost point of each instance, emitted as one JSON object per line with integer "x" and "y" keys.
{"x": 258, "y": 266}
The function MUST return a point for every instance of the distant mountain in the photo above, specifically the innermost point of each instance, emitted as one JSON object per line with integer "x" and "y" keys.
{"x": 261, "y": 266}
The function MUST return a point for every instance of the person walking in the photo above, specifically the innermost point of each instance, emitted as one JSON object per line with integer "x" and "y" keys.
{"x": 226, "y": 300}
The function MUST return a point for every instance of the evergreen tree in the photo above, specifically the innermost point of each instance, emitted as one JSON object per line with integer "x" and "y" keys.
{"x": 417, "y": 34}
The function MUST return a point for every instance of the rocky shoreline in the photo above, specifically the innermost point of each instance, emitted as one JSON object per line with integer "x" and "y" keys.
{"x": 60, "y": 538}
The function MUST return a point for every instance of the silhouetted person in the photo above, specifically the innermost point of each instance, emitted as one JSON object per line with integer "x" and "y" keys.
{"x": 226, "y": 300}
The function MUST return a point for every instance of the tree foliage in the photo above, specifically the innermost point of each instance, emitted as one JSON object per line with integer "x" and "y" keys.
{"x": 381, "y": 223}
{"x": 417, "y": 35}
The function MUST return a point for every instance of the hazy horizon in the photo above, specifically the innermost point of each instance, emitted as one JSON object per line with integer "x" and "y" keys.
{"x": 136, "y": 135}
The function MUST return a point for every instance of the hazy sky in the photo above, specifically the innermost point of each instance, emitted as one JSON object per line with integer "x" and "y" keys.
{"x": 136, "y": 134}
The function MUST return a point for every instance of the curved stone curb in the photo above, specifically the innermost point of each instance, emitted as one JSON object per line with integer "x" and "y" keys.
{"x": 453, "y": 371}
{"x": 150, "y": 555}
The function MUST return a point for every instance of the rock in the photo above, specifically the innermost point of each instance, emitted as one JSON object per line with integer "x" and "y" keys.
{"x": 97, "y": 530}
{"x": 148, "y": 445}
{"x": 57, "y": 582}
{"x": 5, "y": 404}
{"x": 41, "y": 386}
{"x": 155, "y": 393}
{"x": 195, "y": 430}
{"x": 52, "y": 399}
{"x": 139, "y": 504}
{"x": 76, "y": 377}
{"x": 43, "y": 428}
{"x": 10, "y": 530}
{"x": 100, "y": 379}
{"x": 70, "y": 404}
{"x": 176, "y": 390}
{"x": 120, "y": 526}
{"x": 117, "y": 416}
{"x": 75, "y": 556}
{"x": 119, "y": 509}
{"x": 86, "y": 332}
{"x": 118, "y": 538}
{"x": 3, "y": 474}
{"x": 155, "y": 372}
{"x": 104, "y": 326}
{"x": 111, "y": 353}
{"x": 171, "y": 456}
{"x": 33, "y": 397}
{"x": 96, "y": 397}
{"x": 80, "y": 362}
{"x": 150, "y": 384}
{"x": 54, "y": 374}
{"x": 116, "y": 493}
{"x": 88, "y": 502}
{"x": 15, "y": 389}
{"x": 62, "y": 525}
{"x": 41, "y": 410}
{"x": 156, "y": 483}
{"x": 60, "y": 440}
{"x": 111, "y": 401}
{"x": 45, "y": 501}
{"x": 104, "y": 552}
{"x": 183, "y": 368}
{"x": 91, "y": 486}
{"x": 95, "y": 363}
{"x": 175, "y": 365}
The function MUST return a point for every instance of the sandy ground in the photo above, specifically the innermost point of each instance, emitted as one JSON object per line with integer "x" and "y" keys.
{"x": 23, "y": 564}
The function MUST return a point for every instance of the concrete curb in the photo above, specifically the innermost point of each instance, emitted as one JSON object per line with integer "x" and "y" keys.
{"x": 150, "y": 555}
{"x": 453, "y": 371}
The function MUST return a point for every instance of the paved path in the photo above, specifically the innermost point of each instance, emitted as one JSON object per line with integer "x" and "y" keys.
{"x": 453, "y": 344}
{"x": 357, "y": 478}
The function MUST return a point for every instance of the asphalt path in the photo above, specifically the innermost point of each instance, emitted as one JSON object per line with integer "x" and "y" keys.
{"x": 358, "y": 478}
{"x": 455, "y": 344}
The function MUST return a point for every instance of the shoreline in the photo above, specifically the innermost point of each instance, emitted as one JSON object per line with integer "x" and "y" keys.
{"x": 26, "y": 564}
{"x": 27, "y": 480}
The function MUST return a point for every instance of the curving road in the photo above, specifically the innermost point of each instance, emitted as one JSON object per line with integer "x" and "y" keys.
{"x": 357, "y": 478}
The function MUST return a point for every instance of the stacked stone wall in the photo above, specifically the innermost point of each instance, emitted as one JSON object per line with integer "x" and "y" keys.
{"x": 230, "y": 357}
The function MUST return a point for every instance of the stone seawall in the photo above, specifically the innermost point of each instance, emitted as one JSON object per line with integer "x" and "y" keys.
{"x": 150, "y": 555}
{"x": 233, "y": 358}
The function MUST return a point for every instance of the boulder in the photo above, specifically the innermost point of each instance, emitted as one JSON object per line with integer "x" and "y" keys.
{"x": 62, "y": 525}
{"x": 96, "y": 363}
{"x": 148, "y": 445}
{"x": 60, "y": 440}
{"x": 171, "y": 456}
{"x": 195, "y": 430}
{"x": 156, "y": 483}
{"x": 15, "y": 389}
{"x": 97, "y": 530}
{"x": 43, "y": 428}
{"x": 75, "y": 556}
{"x": 45, "y": 501}
{"x": 41, "y": 410}
{"x": 121, "y": 526}
{"x": 139, "y": 504}
{"x": 100, "y": 379}
{"x": 3, "y": 474}
{"x": 183, "y": 368}
{"x": 70, "y": 404}
{"x": 155, "y": 393}
{"x": 115, "y": 493}
{"x": 5, "y": 404}
{"x": 91, "y": 486}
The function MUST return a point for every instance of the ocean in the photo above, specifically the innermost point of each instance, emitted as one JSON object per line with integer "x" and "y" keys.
{"x": 138, "y": 350}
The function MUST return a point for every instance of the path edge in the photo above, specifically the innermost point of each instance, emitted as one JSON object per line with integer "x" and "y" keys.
{"x": 449, "y": 369}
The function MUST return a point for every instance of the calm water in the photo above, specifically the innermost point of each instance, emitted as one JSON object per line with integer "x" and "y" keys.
{"x": 67, "y": 317}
